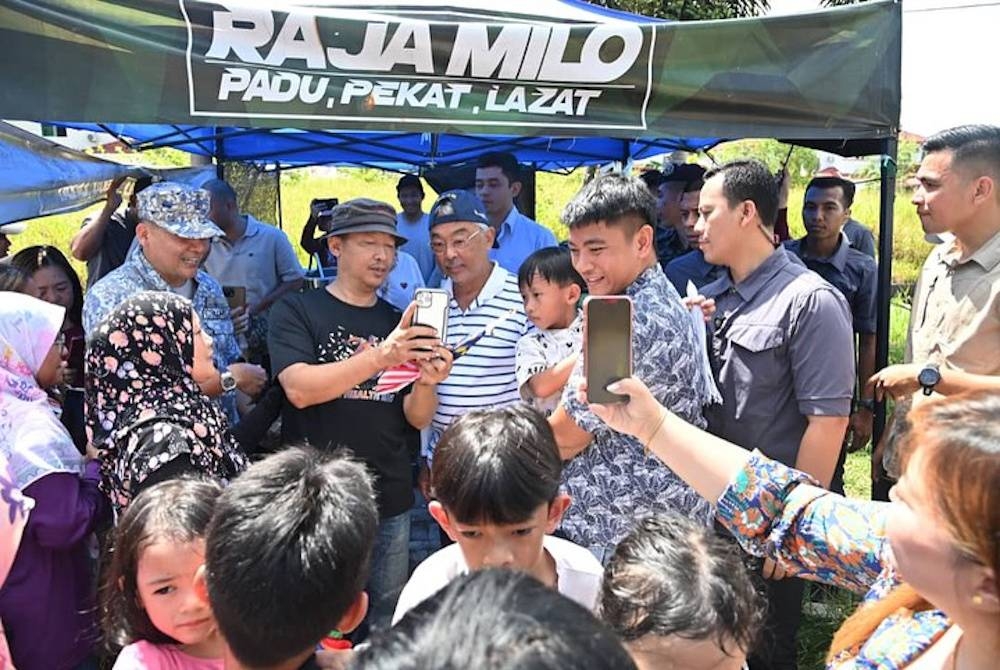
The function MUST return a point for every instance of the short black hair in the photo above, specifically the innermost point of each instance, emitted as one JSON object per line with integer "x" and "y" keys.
{"x": 504, "y": 160}
{"x": 288, "y": 552}
{"x": 177, "y": 510}
{"x": 496, "y": 619}
{"x": 220, "y": 188}
{"x": 496, "y": 466}
{"x": 749, "y": 179}
{"x": 970, "y": 144}
{"x": 409, "y": 181}
{"x": 610, "y": 198}
{"x": 652, "y": 179}
{"x": 553, "y": 264}
{"x": 671, "y": 576}
{"x": 846, "y": 187}
{"x": 32, "y": 259}
{"x": 693, "y": 186}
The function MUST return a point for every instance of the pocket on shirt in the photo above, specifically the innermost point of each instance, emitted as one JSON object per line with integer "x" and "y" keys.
{"x": 758, "y": 367}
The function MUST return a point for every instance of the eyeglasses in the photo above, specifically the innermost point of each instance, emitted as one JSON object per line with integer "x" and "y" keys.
{"x": 459, "y": 245}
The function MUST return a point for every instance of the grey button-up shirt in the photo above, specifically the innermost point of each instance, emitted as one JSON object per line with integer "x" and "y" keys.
{"x": 782, "y": 350}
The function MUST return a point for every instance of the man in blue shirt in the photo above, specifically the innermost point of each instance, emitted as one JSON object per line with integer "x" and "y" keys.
{"x": 498, "y": 182}
{"x": 412, "y": 224}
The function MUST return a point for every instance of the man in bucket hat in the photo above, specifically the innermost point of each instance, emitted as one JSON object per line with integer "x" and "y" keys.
{"x": 328, "y": 347}
{"x": 174, "y": 232}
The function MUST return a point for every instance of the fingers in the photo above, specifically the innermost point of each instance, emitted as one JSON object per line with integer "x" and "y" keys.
{"x": 407, "y": 319}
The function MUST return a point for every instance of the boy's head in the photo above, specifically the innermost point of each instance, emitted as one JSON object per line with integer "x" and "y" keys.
{"x": 550, "y": 287}
{"x": 680, "y": 597}
{"x": 610, "y": 225}
{"x": 287, "y": 555}
{"x": 496, "y": 620}
{"x": 496, "y": 481}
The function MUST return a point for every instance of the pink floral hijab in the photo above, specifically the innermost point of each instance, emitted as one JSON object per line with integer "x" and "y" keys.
{"x": 32, "y": 440}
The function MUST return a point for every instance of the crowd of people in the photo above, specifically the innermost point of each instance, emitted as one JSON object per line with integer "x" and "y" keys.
{"x": 206, "y": 465}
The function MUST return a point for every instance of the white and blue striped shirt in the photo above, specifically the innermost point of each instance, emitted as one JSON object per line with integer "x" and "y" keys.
{"x": 484, "y": 377}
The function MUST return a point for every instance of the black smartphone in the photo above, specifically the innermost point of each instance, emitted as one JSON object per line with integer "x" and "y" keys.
{"x": 323, "y": 204}
{"x": 236, "y": 296}
{"x": 607, "y": 345}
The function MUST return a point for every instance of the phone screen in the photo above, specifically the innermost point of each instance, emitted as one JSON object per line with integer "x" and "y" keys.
{"x": 608, "y": 342}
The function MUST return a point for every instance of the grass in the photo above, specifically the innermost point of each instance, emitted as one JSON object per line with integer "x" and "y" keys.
{"x": 554, "y": 191}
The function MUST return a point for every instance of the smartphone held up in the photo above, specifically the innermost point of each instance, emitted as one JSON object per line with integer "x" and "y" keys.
{"x": 607, "y": 345}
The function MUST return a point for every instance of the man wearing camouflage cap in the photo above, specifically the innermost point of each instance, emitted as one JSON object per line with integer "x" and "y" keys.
{"x": 174, "y": 233}
{"x": 328, "y": 348}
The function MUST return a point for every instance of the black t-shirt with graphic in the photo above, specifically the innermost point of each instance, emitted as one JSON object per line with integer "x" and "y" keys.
{"x": 315, "y": 328}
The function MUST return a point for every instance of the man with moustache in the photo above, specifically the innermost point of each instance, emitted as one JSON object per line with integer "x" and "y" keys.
{"x": 328, "y": 347}
{"x": 174, "y": 232}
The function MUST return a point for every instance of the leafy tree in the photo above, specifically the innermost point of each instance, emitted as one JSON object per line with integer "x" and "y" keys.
{"x": 701, "y": 10}
{"x": 802, "y": 164}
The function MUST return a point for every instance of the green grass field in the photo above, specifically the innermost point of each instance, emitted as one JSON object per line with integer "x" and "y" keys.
{"x": 554, "y": 191}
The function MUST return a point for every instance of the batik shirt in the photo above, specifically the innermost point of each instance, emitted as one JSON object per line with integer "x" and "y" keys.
{"x": 781, "y": 513}
{"x": 136, "y": 275}
{"x": 614, "y": 482}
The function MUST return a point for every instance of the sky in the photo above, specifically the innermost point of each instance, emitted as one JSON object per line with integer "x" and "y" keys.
{"x": 950, "y": 61}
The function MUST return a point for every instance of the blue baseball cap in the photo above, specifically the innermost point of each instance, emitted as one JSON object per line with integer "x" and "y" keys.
{"x": 457, "y": 206}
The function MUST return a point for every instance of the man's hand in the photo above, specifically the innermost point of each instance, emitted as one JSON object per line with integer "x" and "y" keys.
{"x": 436, "y": 370}
{"x": 114, "y": 196}
{"x": 859, "y": 430}
{"x": 249, "y": 378}
{"x": 241, "y": 320}
{"x": 707, "y": 305}
{"x": 638, "y": 417}
{"x": 424, "y": 481}
{"x": 895, "y": 381}
{"x": 784, "y": 186}
{"x": 407, "y": 342}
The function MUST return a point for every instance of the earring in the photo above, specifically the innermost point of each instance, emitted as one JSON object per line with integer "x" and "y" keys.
{"x": 977, "y": 600}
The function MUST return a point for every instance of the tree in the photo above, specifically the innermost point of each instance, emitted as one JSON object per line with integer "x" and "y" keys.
{"x": 701, "y": 10}
{"x": 802, "y": 163}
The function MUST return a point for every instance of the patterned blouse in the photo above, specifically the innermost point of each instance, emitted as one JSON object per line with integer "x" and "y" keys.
{"x": 781, "y": 513}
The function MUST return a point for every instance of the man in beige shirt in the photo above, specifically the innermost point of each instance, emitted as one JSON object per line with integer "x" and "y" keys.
{"x": 954, "y": 335}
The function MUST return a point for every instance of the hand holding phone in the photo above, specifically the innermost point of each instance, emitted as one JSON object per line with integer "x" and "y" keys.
{"x": 607, "y": 353}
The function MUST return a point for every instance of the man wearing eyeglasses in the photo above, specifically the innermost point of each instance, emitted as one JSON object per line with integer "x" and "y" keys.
{"x": 482, "y": 292}
{"x": 782, "y": 350}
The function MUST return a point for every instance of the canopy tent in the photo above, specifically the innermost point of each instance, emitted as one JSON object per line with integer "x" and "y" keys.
{"x": 416, "y": 77}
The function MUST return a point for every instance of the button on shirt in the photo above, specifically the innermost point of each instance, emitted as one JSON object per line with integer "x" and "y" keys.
{"x": 484, "y": 377}
{"x": 851, "y": 272}
{"x": 517, "y": 238}
{"x": 782, "y": 349}
{"x": 136, "y": 275}
{"x": 260, "y": 261}
{"x": 614, "y": 482}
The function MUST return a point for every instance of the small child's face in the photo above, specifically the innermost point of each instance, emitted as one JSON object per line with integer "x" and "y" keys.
{"x": 515, "y": 546}
{"x": 549, "y": 305}
{"x": 165, "y": 580}
{"x": 658, "y": 652}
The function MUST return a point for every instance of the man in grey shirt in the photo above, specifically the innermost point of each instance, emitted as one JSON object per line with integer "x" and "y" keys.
{"x": 782, "y": 353}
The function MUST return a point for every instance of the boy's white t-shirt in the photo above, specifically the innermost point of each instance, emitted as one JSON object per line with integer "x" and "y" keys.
{"x": 579, "y": 574}
{"x": 540, "y": 350}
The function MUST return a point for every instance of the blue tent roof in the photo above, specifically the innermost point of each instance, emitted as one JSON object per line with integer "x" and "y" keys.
{"x": 293, "y": 148}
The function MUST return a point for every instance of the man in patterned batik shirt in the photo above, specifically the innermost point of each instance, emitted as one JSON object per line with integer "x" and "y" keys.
{"x": 612, "y": 480}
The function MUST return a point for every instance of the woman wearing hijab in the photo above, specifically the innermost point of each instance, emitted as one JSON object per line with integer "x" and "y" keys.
{"x": 146, "y": 411}
{"x": 47, "y": 602}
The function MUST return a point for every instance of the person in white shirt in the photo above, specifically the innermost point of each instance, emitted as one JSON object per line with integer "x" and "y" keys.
{"x": 496, "y": 478}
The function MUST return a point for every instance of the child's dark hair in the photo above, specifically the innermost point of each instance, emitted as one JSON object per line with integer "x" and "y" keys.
{"x": 34, "y": 258}
{"x": 287, "y": 552}
{"x": 177, "y": 510}
{"x": 670, "y": 576}
{"x": 496, "y": 466}
{"x": 553, "y": 264}
{"x": 496, "y": 619}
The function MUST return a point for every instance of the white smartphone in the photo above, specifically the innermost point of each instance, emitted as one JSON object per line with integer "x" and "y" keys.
{"x": 432, "y": 310}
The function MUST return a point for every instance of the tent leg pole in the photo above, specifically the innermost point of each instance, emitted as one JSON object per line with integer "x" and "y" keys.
{"x": 887, "y": 200}
{"x": 220, "y": 169}
{"x": 281, "y": 221}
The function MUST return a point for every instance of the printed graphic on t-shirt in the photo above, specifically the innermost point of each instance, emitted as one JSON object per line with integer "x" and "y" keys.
{"x": 342, "y": 345}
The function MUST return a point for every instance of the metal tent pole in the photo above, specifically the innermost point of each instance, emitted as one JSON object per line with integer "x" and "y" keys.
{"x": 888, "y": 196}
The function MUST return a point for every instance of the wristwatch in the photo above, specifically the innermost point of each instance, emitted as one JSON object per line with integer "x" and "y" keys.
{"x": 929, "y": 377}
{"x": 228, "y": 381}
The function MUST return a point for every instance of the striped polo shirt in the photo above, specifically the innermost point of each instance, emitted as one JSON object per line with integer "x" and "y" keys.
{"x": 484, "y": 377}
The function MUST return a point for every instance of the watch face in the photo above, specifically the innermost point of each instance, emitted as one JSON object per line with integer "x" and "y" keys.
{"x": 928, "y": 377}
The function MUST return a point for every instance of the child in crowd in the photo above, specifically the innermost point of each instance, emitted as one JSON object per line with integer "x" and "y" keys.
{"x": 496, "y": 478}
{"x": 496, "y": 620}
{"x": 680, "y": 597}
{"x": 287, "y": 557}
{"x": 149, "y": 604}
{"x": 551, "y": 290}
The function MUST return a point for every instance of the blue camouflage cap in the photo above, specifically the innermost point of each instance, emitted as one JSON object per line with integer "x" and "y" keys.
{"x": 178, "y": 209}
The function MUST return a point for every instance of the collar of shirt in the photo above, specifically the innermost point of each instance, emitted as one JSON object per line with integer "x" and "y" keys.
{"x": 757, "y": 279}
{"x": 838, "y": 259}
{"x": 153, "y": 279}
{"x": 645, "y": 280}
{"x": 987, "y": 256}
{"x": 253, "y": 227}
{"x": 508, "y": 224}
{"x": 492, "y": 287}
